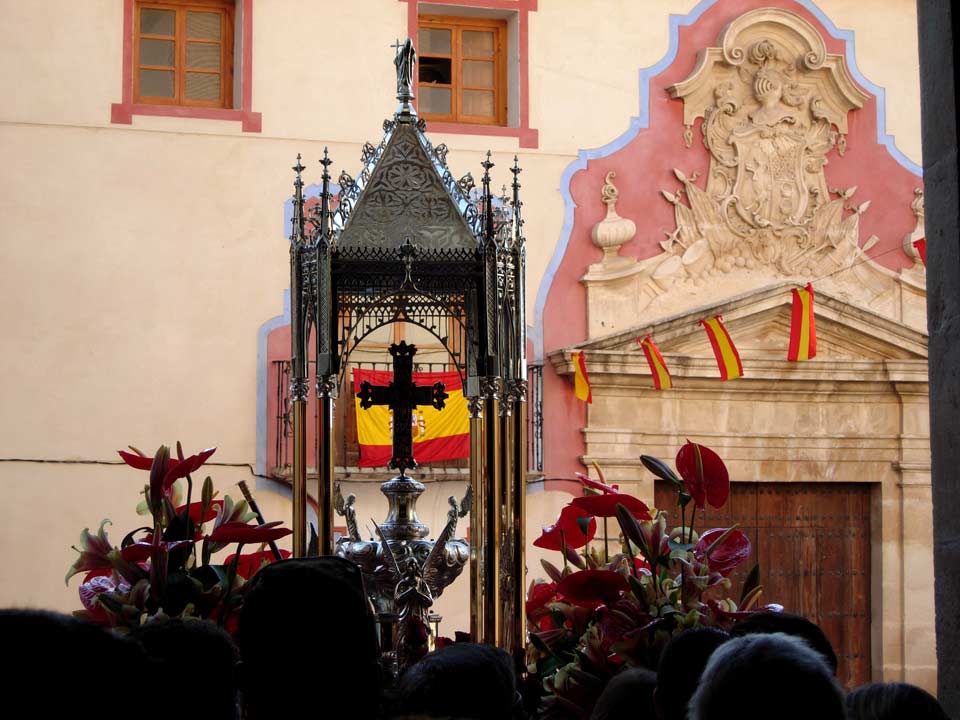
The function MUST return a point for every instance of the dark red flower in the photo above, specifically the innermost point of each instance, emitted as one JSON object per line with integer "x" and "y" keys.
{"x": 606, "y": 505}
{"x": 602, "y": 586}
{"x": 172, "y": 469}
{"x": 196, "y": 507}
{"x": 726, "y": 554}
{"x": 577, "y": 527}
{"x": 142, "y": 551}
{"x": 238, "y": 532}
{"x": 90, "y": 589}
{"x": 704, "y": 475}
{"x": 249, "y": 563}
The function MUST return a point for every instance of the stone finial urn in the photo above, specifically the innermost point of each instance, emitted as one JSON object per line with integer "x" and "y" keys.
{"x": 611, "y": 233}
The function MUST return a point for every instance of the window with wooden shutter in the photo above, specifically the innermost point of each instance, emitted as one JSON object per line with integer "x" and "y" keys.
{"x": 462, "y": 70}
{"x": 183, "y": 53}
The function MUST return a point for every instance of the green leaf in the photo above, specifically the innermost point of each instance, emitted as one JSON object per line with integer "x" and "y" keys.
{"x": 674, "y": 545}
{"x": 631, "y": 529}
{"x": 660, "y": 469}
{"x": 752, "y": 582}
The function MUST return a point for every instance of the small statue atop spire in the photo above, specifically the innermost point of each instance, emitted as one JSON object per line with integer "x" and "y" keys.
{"x": 405, "y": 61}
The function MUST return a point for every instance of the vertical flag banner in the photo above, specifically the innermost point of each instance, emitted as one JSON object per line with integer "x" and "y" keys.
{"x": 803, "y": 329}
{"x": 437, "y": 434}
{"x": 658, "y": 368}
{"x": 728, "y": 359}
{"x": 921, "y": 246}
{"x": 581, "y": 383}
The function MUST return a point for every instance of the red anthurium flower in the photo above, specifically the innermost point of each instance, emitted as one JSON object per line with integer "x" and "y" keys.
{"x": 726, "y": 555}
{"x": 196, "y": 507}
{"x": 238, "y": 532}
{"x": 538, "y": 614}
{"x": 577, "y": 527}
{"x": 249, "y": 563}
{"x": 602, "y": 586}
{"x": 606, "y": 505}
{"x": 704, "y": 475}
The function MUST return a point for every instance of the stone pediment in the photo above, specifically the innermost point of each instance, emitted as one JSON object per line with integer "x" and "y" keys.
{"x": 759, "y": 323}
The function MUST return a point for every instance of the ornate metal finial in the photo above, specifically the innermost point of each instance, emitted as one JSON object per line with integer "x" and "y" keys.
{"x": 517, "y": 203}
{"x": 487, "y": 199}
{"x": 326, "y": 217}
{"x": 405, "y": 61}
{"x": 297, "y": 220}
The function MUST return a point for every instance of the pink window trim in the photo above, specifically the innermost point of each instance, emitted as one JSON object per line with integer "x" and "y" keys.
{"x": 122, "y": 113}
{"x": 528, "y": 137}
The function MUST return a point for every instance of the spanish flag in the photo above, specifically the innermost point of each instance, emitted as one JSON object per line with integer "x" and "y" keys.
{"x": 581, "y": 383}
{"x": 921, "y": 246}
{"x": 728, "y": 359}
{"x": 658, "y": 368}
{"x": 437, "y": 434}
{"x": 803, "y": 330}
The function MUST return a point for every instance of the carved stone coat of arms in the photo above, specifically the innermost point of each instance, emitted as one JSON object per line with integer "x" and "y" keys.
{"x": 774, "y": 105}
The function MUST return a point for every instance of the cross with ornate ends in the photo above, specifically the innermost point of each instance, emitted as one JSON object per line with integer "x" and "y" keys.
{"x": 402, "y": 396}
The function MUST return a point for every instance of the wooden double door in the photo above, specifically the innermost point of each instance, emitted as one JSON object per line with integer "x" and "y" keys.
{"x": 812, "y": 541}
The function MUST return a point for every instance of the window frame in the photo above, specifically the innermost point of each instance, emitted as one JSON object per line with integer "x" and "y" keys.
{"x": 457, "y": 25}
{"x": 226, "y": 8}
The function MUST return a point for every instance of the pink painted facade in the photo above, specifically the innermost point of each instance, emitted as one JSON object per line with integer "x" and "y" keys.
{"x": 644, "y": 166}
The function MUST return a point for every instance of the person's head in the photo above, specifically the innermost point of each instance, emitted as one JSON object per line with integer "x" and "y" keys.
{"x": 306, "y": 633}
{"x": 681, "y": 664}
{"x": 464, "y": 680}
{"x": 757, "y": 677}
{"x": 892, "y": 701}
{"x": 73, "y": 658}
{"x": 178, "y": 644}
{"x": 796, "y": 625}
{"x": 627, "y": 696}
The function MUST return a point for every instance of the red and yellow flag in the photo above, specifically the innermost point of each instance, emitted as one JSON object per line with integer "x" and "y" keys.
{"x": 728, "y": 359}
{"x": 803, "y": 329}
{"x": 581, "y": 383}
{"x": 437, "y": 434}
{"x": 658, "y": 368}
{"x": 921, "y": 246}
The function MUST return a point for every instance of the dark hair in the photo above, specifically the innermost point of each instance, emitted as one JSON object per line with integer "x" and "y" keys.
{"x": 757, "y": 677}
{"x": 60, "y": 664}
{"x": 627, "y": 696}
{"x": 796, "y": 625}
{"x": 179, "y": 648}
{"x": 464, "y": 680}
{"x": 681, "y": 664}
{"x": 306, "y": 632}
{"x": 889, "y": 701}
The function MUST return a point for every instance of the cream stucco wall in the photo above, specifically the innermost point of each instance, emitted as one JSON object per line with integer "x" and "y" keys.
{"x": 141, "y": 260}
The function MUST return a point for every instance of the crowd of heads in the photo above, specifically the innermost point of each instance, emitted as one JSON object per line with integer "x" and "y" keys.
{"x": 306, "y": 645}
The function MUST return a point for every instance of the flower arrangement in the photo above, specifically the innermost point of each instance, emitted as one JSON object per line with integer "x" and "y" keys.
{"x": 157, "y": 571}
{"x": 606, "y": 611}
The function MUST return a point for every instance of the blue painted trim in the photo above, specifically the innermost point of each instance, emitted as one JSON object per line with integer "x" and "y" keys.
{"x": 883, "y": 137}
{"x": 637, "y": 124}
{"x": 262, "y": 366}
{"x": 642, "y": 121}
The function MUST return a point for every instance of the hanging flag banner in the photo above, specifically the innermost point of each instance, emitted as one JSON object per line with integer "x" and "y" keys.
{"x": 658, "y": 368}
{"x": 728, "y": 359}
{"x": 803, "y": 329}
{"x": 437, "y": 434}
{"x": 921, "y": 246}
{"x": 581, "y": 383}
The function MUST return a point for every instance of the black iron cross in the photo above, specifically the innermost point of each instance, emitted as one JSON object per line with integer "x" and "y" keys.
{"x": 402, "y": 396}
